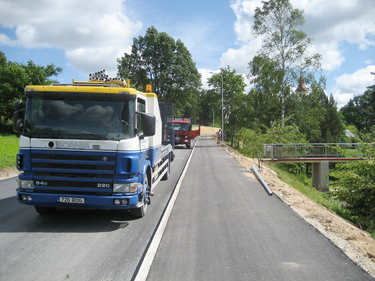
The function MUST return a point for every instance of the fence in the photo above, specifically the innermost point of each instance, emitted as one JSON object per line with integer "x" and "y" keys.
{"x": 314, "y": 150}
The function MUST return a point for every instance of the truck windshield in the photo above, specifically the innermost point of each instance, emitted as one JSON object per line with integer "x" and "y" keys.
{"x": 181, "y": 127}
{"x": 79, "y": 118}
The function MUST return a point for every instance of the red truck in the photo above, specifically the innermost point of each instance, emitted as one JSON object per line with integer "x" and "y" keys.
{"x": 185, "y": 131}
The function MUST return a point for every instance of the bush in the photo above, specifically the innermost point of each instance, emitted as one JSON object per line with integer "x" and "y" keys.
{"x": 251, "y": 142}
{"x": 6, "y": 128}
{"x": 355, "y": 188}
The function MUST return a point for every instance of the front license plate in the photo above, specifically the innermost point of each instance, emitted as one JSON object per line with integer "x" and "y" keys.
{"x": 73, "y": 200}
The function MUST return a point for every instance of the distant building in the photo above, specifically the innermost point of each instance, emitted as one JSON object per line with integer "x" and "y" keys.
{"x": 301, "y": 87}
{"x": 349, "y": 134}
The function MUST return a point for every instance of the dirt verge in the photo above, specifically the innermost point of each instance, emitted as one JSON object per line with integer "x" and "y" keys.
{"x": 8, "y": 172}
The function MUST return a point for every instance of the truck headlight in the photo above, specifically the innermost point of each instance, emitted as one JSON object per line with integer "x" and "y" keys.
{"x": 125, "y": 187}
{"x": 26, "y": 184}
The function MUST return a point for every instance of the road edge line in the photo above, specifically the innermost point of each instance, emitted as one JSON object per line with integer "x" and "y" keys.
{"x": 151, "y": 251}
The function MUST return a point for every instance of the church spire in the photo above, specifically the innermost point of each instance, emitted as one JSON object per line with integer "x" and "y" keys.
{"x": 302, "y": 87}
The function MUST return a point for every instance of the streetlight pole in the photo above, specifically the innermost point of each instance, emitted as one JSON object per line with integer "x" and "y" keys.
{"x": 213, "y": 120}
{"x": 222, "y": 108}
{"x": 222, "y": 105}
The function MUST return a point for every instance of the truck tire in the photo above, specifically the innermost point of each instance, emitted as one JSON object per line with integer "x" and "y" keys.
{"x": 141, "y": 211}
{"x": 45, "y": 210}
{"x": 188, "y": 145}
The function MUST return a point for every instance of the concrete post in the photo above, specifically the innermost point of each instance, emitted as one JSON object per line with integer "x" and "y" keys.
{"x": 320, "y": 172}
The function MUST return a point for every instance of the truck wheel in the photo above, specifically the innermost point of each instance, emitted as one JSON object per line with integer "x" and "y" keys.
{"x": 188, "y": 145}
{"x": 141, "y": 211}
{"x": 45, "y": 210}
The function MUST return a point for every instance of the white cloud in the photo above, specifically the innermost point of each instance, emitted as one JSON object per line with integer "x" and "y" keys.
{"x": 92, "y": 33}
{"x": 206, "y": 74}
{"x": 336, "y": 21}
{"x": 328, "y": 22}
{"x": 349, "y": 85}
{"x": 332, "y": 56}
{"x": 238, "y": 59}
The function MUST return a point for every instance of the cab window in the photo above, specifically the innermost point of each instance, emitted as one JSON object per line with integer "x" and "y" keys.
{"x": 141, "y": 107}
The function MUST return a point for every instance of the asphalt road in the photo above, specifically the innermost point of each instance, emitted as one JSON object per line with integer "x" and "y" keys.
{"x": 224, "y": 226}
{"x": 77, "y": 244}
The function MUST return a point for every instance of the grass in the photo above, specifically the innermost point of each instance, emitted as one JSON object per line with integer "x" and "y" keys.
{"x": 8, "y": 150}
{"x": 305, "y": 187}
{"x": 325, "y": 199}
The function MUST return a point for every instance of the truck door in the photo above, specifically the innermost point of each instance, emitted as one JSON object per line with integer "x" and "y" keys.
{"x": 195, "y": 130}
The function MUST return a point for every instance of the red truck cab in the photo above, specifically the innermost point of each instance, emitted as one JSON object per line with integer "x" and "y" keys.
{"x": 185, "y": 131}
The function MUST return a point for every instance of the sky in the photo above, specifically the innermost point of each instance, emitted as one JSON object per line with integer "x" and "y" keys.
{"x": 88, "y": 36}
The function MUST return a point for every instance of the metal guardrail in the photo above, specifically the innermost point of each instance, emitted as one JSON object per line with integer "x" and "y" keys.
{"x": 313, "y": 150}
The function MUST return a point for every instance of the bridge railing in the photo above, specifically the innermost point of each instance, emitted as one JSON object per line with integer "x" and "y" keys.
{"x": 313, "y": 150}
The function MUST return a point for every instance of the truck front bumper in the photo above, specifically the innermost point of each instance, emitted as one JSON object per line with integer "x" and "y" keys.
{"x": 181, "y": 141}
{"x": 78, "y": 201}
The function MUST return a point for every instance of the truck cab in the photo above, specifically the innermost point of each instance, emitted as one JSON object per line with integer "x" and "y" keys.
{"x": 185, "y": 131}
{"x": 91, "y": 145}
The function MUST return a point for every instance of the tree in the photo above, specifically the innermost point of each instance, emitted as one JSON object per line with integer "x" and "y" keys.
{"x": 284, "y": 42}
{"x": 355, "y": 187}
{"x": 13, "y": 79}
{"x": 332, "y": 127}
{"x": 360, "y": 112}
{"x": 264, "y": 105}
{"x": 209, "y": 108}
{"x": 252, "y": 141}
{"x": 372, "y": 88}
{"x": 158, "y": 59}
{"x": 233, "y": 97}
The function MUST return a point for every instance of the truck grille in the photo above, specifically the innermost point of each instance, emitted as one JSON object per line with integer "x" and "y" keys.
{"x": 73, "y": 172}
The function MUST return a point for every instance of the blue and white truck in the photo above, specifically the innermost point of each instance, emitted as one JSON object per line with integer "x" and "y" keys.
{"x": 95, "y": 144}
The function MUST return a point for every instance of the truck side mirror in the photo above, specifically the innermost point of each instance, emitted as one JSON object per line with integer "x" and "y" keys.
{"x": 18, "y": 117}
{"x": 149, "y": 125}
{"x": 17, "y": 105}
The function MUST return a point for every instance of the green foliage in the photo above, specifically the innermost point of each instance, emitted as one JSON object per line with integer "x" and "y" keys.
{"x": 263, "y": 102}
{"x": 251, "y": 141}
{"x": 158, "y": 59}
{"x": 209, "y": 108}
{"x": 369, "y": 137}
{"x": 13, "y": 79}
{"x": 360, "y": 112}
{"x": 316, "y": 115}
{"x": 233, "y": 97}
{"x": 303, "y": 185}
{"x": 285, "y": 47}
{"x": 355, "y": 187}
{"x": 8, "y": 150}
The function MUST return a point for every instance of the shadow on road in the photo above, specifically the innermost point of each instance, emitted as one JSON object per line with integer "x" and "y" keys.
{"x": 16, "y": 217}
